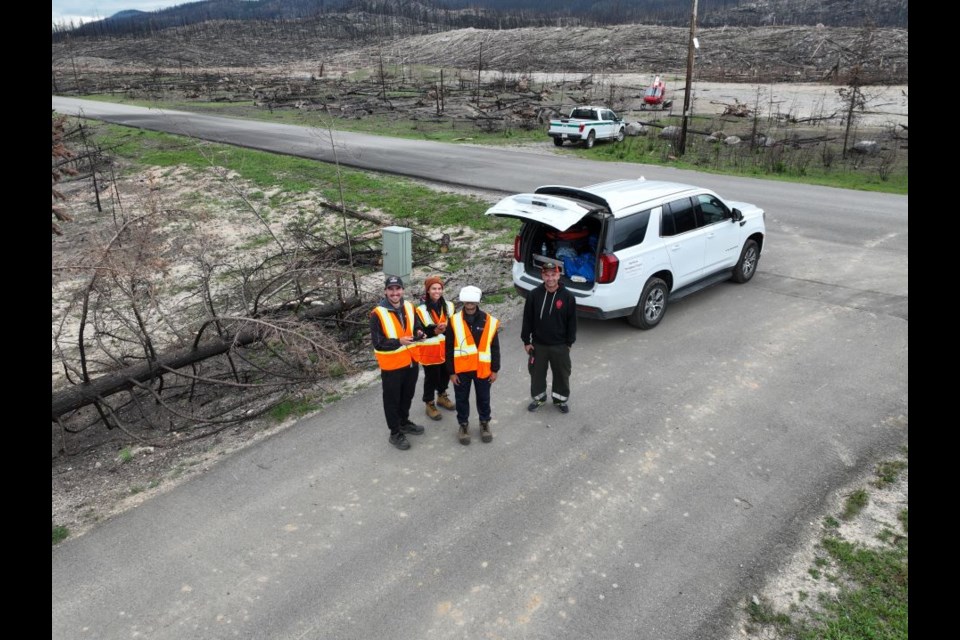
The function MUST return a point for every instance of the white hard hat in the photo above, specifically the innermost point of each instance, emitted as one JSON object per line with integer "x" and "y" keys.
{"x": 470, "y": 294}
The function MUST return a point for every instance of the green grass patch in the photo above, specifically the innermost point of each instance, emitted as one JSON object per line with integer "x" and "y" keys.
{"x": 292, "y": 408}
{"x": 855, "y": 503}
{"x": 763, "y": 614}
{"x": 877, "y": 607}
{"x": 125, "y": 456}
{"x": 60, "y": 533}
{"x": 257, "y": 241}
{"x": 888, "y": 472}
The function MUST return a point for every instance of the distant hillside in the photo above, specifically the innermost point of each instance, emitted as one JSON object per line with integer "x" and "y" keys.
{"x": 431, "y": 16}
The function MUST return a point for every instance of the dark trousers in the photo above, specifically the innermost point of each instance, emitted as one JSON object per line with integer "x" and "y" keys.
{"x": 555, "y": 357}
{"x": 399, "y": 387}
{"x": 436, "y": 380}
{"x": 462, "y": 393}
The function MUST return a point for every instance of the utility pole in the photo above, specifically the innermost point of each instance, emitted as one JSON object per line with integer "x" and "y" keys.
{"x": 691, "y": 47}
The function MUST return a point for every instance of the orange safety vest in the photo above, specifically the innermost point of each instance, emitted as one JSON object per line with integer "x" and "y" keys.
{"x": 405, "y": 355}
{"x": 468, "y": 356}
{"x": 433, "y": 349}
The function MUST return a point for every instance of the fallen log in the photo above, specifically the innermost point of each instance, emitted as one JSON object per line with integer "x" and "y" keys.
{"x": 81, "y": 395}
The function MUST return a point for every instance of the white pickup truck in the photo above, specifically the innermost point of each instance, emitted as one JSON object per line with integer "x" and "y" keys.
{"x": 587, "y": 125}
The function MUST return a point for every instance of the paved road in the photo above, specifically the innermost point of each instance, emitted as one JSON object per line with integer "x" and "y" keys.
{"x": 694, "y": 459}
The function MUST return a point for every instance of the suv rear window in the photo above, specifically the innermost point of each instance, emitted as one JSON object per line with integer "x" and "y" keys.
{"x": 631, "y": 230}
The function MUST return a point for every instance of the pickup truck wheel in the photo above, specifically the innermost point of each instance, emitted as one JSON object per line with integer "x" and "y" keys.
{"x": 591, "y": 137}
{"x": 747, "y": 265}
{"x": 558, "y": 142}
{"x": 652, "y": 305}
{"x": 621, "y": 134}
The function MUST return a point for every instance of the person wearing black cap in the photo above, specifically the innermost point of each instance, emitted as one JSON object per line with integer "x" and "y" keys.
{"x": 394, "y": 330}
{"x": 548, "y": 333}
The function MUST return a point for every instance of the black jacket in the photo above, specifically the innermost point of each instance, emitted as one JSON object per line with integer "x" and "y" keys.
{"x": 549, "y": 318}
{"x": 479, "y": 319}
{"x": 436, "y": 307}
{"x": 380, "y": 341}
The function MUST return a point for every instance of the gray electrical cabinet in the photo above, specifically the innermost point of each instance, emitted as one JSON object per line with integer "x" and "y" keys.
{"x": 398, "y": 252}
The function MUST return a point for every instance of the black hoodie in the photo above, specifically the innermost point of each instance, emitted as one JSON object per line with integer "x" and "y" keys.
{"x": 550, "y": 318}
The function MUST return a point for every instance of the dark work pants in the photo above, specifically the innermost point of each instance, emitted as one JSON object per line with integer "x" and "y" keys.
{"x": 556, "y": 357}
{"x": 462, "y": 393}
{"x": 399, "y": 387}
{"x": 436, "y": 380}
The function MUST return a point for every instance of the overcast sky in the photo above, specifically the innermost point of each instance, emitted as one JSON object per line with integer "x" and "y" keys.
{"x": 87, "y": 10}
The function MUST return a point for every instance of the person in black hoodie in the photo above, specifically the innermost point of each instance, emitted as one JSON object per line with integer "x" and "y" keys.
{"x": 548, "y": 333}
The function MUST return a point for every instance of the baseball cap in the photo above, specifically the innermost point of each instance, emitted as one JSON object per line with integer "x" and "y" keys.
{"x": 393, "y": 281}
{"x": 470, "y": 294}
{"x": 549, "y": 265}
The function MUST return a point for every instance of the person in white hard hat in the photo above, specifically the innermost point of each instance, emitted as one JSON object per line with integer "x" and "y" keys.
{"x": 473, "y": 357}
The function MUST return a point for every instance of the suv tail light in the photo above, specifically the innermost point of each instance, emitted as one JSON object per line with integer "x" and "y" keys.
{"x": 516, "y": 248}
{"x": 609, "y": 265}
{"x": 582, "y": 127}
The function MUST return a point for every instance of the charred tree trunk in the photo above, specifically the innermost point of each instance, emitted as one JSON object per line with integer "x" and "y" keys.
{"x": 84, "y": 394}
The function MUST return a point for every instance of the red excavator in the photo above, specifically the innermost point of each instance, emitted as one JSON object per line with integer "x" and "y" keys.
{"x": 655, "y": 96}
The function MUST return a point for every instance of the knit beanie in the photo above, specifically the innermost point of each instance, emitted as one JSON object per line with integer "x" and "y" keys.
{"x": 432, "y": 280}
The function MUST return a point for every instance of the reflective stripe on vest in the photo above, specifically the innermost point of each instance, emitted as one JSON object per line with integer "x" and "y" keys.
{"x": 433, "y": 350}
{"x": 468, "y": 356}
{"x": 405, "y": 355}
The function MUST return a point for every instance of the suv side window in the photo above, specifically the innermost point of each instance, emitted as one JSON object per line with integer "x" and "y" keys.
{"x": 711, "y": 209}
{"x": 631, "y": 230}
{"x": 678, "y": 217}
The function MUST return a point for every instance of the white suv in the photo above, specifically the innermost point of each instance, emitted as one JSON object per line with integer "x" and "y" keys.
{"x": 626, "y": 247}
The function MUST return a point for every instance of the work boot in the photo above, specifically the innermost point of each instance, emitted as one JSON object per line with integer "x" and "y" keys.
{"x": 464, "y": 436}
{"x": 409, "y": 427}
{"x": 536, "y": 404}
{"x": 432, "y": 412}
{"x": 444, "y": 401}
{"x": 485, "y": 434}
{"x": 399, "y": 441}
